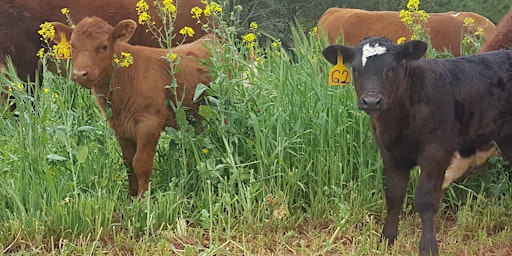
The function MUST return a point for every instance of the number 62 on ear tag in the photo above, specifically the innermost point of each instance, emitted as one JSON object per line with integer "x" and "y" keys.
{"x": 339, "y": 74}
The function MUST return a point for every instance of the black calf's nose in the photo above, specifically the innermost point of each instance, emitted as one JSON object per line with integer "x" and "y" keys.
{"x": 372, "y": 100}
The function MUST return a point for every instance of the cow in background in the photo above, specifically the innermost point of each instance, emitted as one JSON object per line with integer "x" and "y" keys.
{"x": 20, "y": 22}
{"x": 138, "y": 96}
{"x": 423, "y": 110}
{"x": 445, "y": 30}
{"x": 503, "y": 36}
{"x": 479, "y": 21}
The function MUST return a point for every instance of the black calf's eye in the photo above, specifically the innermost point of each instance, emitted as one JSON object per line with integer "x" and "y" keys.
{"x": 388, "y": 73}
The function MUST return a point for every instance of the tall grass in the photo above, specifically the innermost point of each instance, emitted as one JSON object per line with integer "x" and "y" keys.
{"x": 279, "y": 149}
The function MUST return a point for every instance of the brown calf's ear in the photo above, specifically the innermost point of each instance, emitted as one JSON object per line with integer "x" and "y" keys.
{"x": 331, "y": 53}
{"x": 124, "y": 30}
{"x": 61, "y": 28}
{"x": 412, "y": 50}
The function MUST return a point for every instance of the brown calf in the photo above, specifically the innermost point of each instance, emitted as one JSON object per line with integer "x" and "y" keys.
{"x": 136, "y": 95}
{"x": 20, "y": 22}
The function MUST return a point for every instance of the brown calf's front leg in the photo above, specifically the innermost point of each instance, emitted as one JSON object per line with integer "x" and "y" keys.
{"x": 128, "y": 148}
{"x": 147, "y": 140}
{"x": 396, "y": 186}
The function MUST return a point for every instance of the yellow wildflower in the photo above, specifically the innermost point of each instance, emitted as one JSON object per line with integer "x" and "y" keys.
{"x": 253, "y": 25}
{"x": 401, "y": 40}
{"x": 64, "y": 11}
{"x": 205, "y": 151}
{"x": 423, "y": 15}
{"x": 144, "y": 18}
{"x": 207, "y": 11}
{"x": 168, "y": 6}
{"x": 413, "y": 5}
{"x": 40, "y": 53}
{"x": 249, "y": 37}
{"x": 125, "y": 61}
{"x": 479, "y": 31}
{"x": 19, "y": 85}
{"x": 313, "y": 31}
{"x": 213, "y": 7}
{"x": 196, "y": 12}
{"x": 276, "y": 44}
{"x": 468, "y": 22}
{"x": 171, "y": 57}
{"x": 46, "y": 90}
{"x": 62, "y": 51}
{"x": 187, "y": 31}
{"x": 466, "y": 41}
{"x": 141, "y": 7}
{"x": 47, "y": 31}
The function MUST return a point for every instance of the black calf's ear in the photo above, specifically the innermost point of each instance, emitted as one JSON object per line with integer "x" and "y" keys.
{"x": 331, "y": 53}
{"x": 412, "y": 50}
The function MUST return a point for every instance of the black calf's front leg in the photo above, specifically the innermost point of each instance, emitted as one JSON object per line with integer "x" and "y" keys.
{"x": 396, "y": 186}
{"x": 426, "y": 201}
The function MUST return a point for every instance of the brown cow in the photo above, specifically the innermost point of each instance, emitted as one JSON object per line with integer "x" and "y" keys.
{"x": 135, "y": 96}
{"x": 479, "y": 21}
{"x": 20, "y": 22}
{"x": 423, "y": 110}
{"x": 445, "y": 30}
{"x": 503, "y": 36}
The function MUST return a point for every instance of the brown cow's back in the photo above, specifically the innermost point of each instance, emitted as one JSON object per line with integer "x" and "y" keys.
{"x": 356, "y": 24}
{"x": 479, "y": 21}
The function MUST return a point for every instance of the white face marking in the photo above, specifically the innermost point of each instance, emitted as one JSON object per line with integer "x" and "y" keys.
{"x": 369, "y": 51}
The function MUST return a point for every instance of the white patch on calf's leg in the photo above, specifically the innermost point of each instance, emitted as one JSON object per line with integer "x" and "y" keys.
{"x": 460, "y": 165}
{"x": 369, "y": 51}
{"x": 482, "y": 156}
{"x": 457, "y": 168}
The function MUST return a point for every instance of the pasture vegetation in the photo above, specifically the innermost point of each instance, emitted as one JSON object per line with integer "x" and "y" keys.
{"x": 285, "y": 165}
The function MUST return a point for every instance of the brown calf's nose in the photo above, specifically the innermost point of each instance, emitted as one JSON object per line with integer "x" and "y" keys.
{"x": 79, "y": 74}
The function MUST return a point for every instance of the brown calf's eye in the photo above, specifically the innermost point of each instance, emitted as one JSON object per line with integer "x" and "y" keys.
{"x": 104, "y": 48}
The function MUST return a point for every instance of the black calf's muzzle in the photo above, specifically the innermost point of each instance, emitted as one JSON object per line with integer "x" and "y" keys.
{"x": 371, "y": 102}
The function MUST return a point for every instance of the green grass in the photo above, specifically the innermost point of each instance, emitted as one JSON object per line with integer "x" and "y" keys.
{"x": 286, "y": 165}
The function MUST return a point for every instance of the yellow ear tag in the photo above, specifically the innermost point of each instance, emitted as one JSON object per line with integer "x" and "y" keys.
{"x": 63, "y": 49}
{"x": 339, "y": 74}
